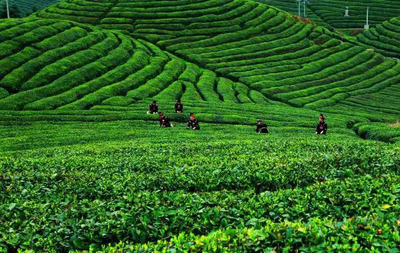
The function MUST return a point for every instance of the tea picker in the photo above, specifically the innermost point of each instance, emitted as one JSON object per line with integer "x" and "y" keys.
{"x": 164, "y": 121}
{"x": 153, "y": 108}
{"x": 261, "y": 127}
{"x": 179, "y": 107}
{"x": 322, "y": 126}
{"x": 193, "y": 123}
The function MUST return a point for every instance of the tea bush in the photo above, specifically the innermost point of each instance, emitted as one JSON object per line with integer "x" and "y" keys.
{"x": 153, "y": 188}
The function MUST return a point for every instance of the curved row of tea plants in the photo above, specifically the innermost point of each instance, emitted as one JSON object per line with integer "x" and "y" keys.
{"x": 384, "y": 38}
{"x": 379, "y": 131}
{"x": 46, "y": 64}
{"x": 383, "y": 105}
{"x": 332, "y": 12}
{"x": 249, "y": 42}
{"x": 325, "y": 12}
{"x": 293, "y": 8}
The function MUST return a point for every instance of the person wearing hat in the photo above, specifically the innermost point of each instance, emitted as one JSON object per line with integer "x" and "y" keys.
{"x": 179, "y": 107}
{"x": 322, "y": 127}
{"x": 164, "y": 121}
{"x": 193, "y": 123}
{"x": 153, "y": 107}
{"x": 261, "y": 127}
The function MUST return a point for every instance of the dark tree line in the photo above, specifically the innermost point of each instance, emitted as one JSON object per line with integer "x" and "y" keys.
{"x": 14, "y": 11}
{"x": 34, "y": 9}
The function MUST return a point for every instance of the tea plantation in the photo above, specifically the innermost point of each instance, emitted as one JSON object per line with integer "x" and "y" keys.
{"x": 384, "y": 38}
{"x": 221, "y": 188}
{"x": 332, "y": 11}
{"x": 252, "y": 43}
{"x": 27, "y": 6}
{"x": 83, "y": 167}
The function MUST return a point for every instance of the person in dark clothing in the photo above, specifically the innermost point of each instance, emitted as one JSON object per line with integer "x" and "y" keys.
{"x": 262, "y": 128}
{"x": 322, "y": 127}
{"x": 179, "y": 107}
{"x": 164, "y": 121}
{"x": 193, "y": 123}
{"x": 153, "y": 107}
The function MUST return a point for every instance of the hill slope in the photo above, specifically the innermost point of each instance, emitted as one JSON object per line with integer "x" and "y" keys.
{"x": 331, "y": 12}
{"x": 270, "y": 51}
{"x": 293, "y": 8}
{"x": 384, "y": 38}
{"x": 84, "y": 168}
{"x": 48, "y": 64}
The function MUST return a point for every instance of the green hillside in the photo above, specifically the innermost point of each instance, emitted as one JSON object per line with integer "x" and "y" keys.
{"x": 269, "y": 51}
{"x": 384, "y": 38}
{"x": 331, "y": 12}
{"x": 26, "y": 6}
{"x": 83, "y": 167}
{"x": 293, "y": 8}
{"x": 49, "y": 64}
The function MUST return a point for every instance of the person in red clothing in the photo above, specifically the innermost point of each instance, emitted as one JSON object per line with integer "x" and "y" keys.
{"x": 193, "y": 122}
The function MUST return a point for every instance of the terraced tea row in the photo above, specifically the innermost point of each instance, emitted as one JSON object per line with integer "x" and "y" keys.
{"x": 374, "y": 106}
{"x": 293, "y": 8}
{"x": 384, "y": 38}
{"x": 379, "y": 131}
{"x": 331, "y": 12}
{"x": 267, "y": 50}
{"x": 46, "y": 65}
{"x": 326, "y": 12}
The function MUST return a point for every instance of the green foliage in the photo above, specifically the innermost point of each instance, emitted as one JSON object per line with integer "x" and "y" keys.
{"x": 286, "y": 58}
{"x": 376, "y": 233}
{"x": 3, "y": 93}
{"x": 146, "y": 185}
{"x": 171, "y": 93}
{"x": 225, "y": 87}
{"x": 118, "y": 101}
{"x": 207, "y": 85}
{"x": 83, "y": 167}
{"x": 383, "y": 38}
{"x": 379, "y": 131}
{"x": 133, "y": 81}
{"x": 330, "y": 13}
{"x": 168, "y": 74}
